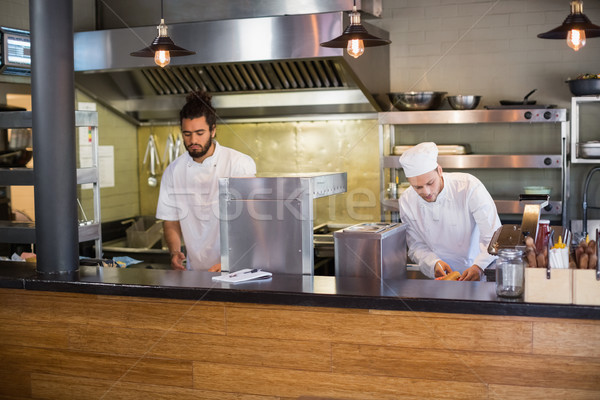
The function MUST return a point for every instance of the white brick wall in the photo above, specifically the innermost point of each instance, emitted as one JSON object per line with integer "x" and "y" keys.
{"x": 463, "y": 46}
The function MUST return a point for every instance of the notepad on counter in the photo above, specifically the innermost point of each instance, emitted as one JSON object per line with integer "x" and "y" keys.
{"x": 243, "y": 275}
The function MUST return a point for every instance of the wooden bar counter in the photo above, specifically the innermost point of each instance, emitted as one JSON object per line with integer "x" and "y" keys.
{"x": 107, "y": 333}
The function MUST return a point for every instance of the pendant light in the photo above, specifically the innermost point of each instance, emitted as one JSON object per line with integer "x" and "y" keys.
{"x": 162, "y": 48}
{"x": 575, "y": 28}
{"x": 355, "y": 37}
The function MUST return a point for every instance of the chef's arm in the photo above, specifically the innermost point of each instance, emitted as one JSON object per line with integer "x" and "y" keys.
{"x": 486, "y": 217}
{"x": 419, "y": 252}
{"x": 172, "y": 232}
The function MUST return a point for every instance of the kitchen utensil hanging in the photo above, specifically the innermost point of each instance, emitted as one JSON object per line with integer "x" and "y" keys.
{"x": 173, "y": 149}
{"x": 154, "y": 161}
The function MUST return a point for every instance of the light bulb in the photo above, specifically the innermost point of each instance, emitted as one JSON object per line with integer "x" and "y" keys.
{"x": 576, "y": 39}
{"x": 355, "y": 47}
{"x": 162, "y": 58}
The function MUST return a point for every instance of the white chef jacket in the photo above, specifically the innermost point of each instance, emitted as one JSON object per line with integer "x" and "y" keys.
{"x": 457, "y": 228}
{"x": 189, "y": 193}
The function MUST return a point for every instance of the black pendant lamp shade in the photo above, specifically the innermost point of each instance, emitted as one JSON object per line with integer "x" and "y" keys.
{"x": 162, "y": 47}
{"x": 575, "y": 23}
{"x": 355, "y": 32}
{"x": 355, "y": 37}
{"x": 162, "y": 43}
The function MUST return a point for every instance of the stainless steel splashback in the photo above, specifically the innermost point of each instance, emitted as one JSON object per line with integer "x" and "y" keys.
{"x": 254, "y": 67}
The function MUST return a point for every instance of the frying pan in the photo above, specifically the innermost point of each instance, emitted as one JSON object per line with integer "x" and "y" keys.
{"x": 519, "y": 103}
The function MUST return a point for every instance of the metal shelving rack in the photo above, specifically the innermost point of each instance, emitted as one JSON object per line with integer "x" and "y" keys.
{"x": 387, "y": 140}
{"x": 575, "y": 103}
{"x": 24, "y": 232}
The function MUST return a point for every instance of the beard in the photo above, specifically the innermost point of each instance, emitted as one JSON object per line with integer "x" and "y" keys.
{"x": 198, "y": 153}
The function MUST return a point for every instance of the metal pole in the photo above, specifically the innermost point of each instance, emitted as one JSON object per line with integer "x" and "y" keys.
{"x": 53, "y": 106}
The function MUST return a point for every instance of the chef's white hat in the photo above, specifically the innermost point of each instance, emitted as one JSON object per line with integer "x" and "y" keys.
{"x": 419, "y": 159}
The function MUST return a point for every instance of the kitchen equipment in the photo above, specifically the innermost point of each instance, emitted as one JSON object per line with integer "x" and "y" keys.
{"x": 323, "y": 238}
{"x": 537, "y": 189}
{"x": 373, "y": 250}
{"x": 588, "y": 149}
{"x": 443, "y": 149}
{"x": 464, "y": 102}
{"x": 521, "y": 107}
{"x": 416, "y": 101}
{"x": 585, "y": 205}
{"x": 283, "y": 77}
{"x": 509, "y": 273}
{"x": 152, "y": 153}
{"x": 267, "y": 222}
{"x": 518, "y": 103}
{"x": 510, "y": 236}
{"x": 144, "y": 232}
{"x": 584, "y": 87}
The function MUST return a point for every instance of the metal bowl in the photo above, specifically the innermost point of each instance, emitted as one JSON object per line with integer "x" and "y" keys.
{"x": 584, "y": 87}
{"x": 462, "y": 102}
{"x": 417, "y": 101}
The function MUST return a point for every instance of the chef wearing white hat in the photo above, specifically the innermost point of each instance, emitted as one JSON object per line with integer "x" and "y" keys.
{"x": 450, "y": 217}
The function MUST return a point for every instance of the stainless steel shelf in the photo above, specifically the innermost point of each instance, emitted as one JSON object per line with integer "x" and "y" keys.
{"x": 88, "y": 232}
{"x": 575, "y": 103}
{"x": 24, "y": 119}
{"x": 18, "y": 232}
{"x": 87, "y": 175}
{"x": 488, "y": 161}
{"x": 503, "y": 206}
{"x": 16, "y": 176}
{"x": 543, "y": 115}
{"x": 24, "y": 176}
{"x": 24, "y": 232}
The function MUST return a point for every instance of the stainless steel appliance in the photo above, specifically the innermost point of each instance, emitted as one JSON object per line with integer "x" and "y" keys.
{"x": 371, "y": 250}
{"x": 324, "y": 247}
{"x": 512, "y": 236}
{"x": 267, "y": 222}
{"x": 291, "y": 75}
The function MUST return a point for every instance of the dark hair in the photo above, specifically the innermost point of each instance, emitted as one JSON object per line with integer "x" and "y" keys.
{"x": 198, "y": 105}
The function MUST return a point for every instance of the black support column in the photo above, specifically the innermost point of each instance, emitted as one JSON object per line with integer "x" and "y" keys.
{"x": 53, "y": 106}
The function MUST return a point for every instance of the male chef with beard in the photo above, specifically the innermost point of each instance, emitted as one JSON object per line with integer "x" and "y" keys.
{"x": 188, "y": 202}
{"x": 450, "y": 217}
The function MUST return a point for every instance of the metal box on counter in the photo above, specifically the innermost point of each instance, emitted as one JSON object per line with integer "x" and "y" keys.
{"x": 371, "y": 250}
{"x": 267, "y": 222}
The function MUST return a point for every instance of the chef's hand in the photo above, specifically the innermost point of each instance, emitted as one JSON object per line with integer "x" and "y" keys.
{"x": 177, "y": 258}
{"x": 473, "y": 273}
{"x": 215, "y": 268}
{"x": 441, "y": 268}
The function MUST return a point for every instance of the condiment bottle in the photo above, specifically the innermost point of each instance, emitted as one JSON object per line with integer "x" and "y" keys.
{"x": 509, "y": 273}
{"x": 543, "y": 233}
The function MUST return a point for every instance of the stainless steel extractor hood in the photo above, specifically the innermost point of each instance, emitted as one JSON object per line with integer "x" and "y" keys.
{"x": 254, "y": 68}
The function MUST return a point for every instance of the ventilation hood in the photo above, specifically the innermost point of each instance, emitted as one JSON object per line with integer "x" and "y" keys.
{"x": 254, "y": 68}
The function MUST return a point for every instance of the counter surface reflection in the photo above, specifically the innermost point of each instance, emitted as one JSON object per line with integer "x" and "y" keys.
{"x": 316, "y": 291}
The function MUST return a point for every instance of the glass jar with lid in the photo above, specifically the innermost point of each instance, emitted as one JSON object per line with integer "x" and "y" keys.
{"x": 510, "y": 273}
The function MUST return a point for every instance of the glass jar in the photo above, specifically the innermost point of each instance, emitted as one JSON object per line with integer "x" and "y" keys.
{"x": 509, "y": 273}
